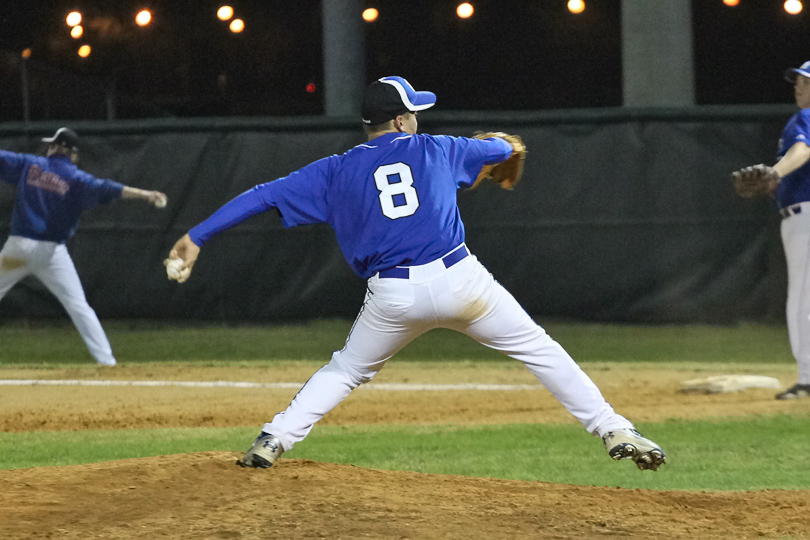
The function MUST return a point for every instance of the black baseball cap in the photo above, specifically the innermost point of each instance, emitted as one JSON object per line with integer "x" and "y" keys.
{"x": 792, "y": 73}
{"x": 65, "y": 137}
{"x": 389, "y": 97}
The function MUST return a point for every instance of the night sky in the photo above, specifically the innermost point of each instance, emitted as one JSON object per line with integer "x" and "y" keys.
{"x": 512, "y": 54}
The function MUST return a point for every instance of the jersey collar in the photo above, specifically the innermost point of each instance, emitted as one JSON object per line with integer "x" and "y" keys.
{"x": 386, "y": 138}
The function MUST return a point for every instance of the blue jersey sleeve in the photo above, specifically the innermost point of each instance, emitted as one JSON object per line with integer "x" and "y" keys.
{"x": 301, "y": 196}
{"x": 97, "y": 191}
{"x": 469, "y": 155}
{"x": 300, "y": 199}
{"x": 11, "y": 167}
{"x": 803, "y": 127}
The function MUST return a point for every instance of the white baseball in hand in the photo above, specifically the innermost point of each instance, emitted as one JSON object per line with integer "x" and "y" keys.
{"x": 174, "y": 272}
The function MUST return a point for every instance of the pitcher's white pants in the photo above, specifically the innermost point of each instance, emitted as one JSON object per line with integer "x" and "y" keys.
{"x": 51, "y": 264}
{"x": 466, "y": 298}
{"x": 796, "y": 241}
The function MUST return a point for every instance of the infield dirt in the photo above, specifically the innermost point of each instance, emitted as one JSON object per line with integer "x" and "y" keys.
{"x": 206, "y": 496}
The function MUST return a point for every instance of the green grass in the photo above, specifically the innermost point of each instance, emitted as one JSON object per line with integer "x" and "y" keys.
{"x": 757, "y": 453}
{"x": 149, "y": 342}
{"x": 702, "y": 343}
{"x": 52, "y": 448}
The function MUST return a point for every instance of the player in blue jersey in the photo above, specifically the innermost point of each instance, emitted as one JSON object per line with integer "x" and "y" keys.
{"x": 392, "y": 204}
{"x": 51, "y": 194}
{"x": 793, "y": 201}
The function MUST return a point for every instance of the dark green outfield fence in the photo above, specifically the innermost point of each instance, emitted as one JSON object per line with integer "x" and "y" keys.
{"x": 622, "y": 215}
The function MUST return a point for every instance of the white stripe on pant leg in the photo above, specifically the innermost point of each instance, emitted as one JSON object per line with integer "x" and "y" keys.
{"x": 562, "y": 376}
{"x": 796, "y": 241}
{"x": 803, "y": 309}
{"x": 322, "y": 392}
{"x": 505, "y": 326}
{"x": 377, "y": 334}
{"x": 61, "y": 279}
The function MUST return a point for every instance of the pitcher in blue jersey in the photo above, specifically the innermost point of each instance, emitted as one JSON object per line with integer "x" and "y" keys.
{"x": 793, "y": 201}
{"x": 392, "y": 204}
{"x": 52, "y": 192}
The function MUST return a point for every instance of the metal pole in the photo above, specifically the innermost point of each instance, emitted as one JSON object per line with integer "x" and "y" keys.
{"x": 657, "y": 62}
{"x": 25, "y": 97}
{"x": 110, "y": 100}
{"x": 343, "y": 57}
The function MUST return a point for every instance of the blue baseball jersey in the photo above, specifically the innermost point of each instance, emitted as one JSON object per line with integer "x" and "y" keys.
{"x": 391, "y": 201}
{"x": 795, "y": 187}
{"x": 51, "y": 194}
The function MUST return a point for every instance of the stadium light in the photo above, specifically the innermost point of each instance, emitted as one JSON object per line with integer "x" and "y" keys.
{"x": 73, "y": 18}
{"x": 465, "y": 10}
{"x": 84, "y": 51}
{"x": 237, "y": 25}
{"x": 26, "y": 53}
{"x": 224, "y": 13}
{"x": 731, "y": 3}
{"x": 576, "y": 6}
{"x": 794, "y": 7}
{"x": 143, "y": 17}
{"x": 77, "y": 31}
{"x": 370, "y": 15}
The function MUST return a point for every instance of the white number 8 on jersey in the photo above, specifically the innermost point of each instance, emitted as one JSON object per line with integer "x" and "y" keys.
{"x": 404, "y": 188}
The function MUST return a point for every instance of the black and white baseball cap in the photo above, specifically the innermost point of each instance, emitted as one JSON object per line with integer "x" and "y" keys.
{"x": 389, "y": 97}
{"x": 65, "y": 137}
{"x": 803, "y": 70}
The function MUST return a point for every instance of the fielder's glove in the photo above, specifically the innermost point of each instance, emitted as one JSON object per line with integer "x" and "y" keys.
{"x": 755, "y": 180}
{"x": 507, "y": 173}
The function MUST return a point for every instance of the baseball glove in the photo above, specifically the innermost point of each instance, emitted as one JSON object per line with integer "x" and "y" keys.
{"x": 755, "y": 180}
{"x": 507, "y": 173}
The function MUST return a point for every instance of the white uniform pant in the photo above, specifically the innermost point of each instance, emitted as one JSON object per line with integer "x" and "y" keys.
{"x": 796, "y": 241}
{"x": 51, "y": 264}
{"x": 466, "y": 298}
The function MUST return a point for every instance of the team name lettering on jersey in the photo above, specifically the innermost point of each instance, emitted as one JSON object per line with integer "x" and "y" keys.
{"x": 46, "y": 180}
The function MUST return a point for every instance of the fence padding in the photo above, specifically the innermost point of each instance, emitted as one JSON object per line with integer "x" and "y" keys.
{"x": 621, "y": 216}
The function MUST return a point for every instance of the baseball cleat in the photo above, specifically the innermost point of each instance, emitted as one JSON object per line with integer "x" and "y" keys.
{"x": 629, "y": 444}
{"x": 795, "y": 391}
{"x": 263, "y": 453}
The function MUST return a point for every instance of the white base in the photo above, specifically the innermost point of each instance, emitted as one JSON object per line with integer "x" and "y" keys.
{"x": 718, "y": 384}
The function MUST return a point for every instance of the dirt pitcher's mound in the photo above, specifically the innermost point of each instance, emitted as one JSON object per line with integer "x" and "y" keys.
{"x": 205, "y": 495}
